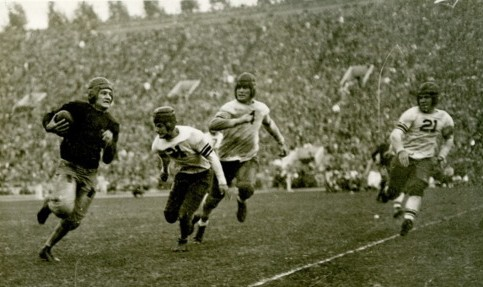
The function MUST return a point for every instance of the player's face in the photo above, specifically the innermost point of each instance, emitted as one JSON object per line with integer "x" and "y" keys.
{"x": 426, "y": 103}
{"x": 243, "y": 94}
{"x": 104, "y": 99}
{"x": 165, "y": 130}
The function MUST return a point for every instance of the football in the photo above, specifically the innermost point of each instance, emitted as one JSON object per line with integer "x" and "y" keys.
{"x": 63, "y": 114}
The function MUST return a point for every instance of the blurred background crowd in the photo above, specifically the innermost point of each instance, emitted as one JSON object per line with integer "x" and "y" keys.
{"x": 299, "y": 57}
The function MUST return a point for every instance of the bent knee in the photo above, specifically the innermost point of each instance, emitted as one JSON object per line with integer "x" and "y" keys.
{"x": 416, "y": 187}
{"x": 61, "y": 208}
{"x": 170, "y": 217}
{"x": 245, "y": 190}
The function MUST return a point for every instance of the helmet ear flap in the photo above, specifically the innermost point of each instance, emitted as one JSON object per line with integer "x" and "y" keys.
{"x": 435, "y": 99}
{"x": 91, "y": 96}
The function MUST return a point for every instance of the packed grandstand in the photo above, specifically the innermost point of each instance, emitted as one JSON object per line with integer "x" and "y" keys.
{"x": 299, "y": 57}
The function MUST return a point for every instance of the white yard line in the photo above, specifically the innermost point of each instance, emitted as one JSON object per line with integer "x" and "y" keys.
{"x": 369, "y": 245}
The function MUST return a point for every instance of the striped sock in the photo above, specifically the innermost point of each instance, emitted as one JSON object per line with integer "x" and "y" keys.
{"x": 413, "y": 205}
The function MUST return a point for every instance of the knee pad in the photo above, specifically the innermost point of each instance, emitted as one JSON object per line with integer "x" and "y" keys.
{"x": 170, "y": 217}
{"x": 245, "y": 190}
{"x": 70, "y": 224}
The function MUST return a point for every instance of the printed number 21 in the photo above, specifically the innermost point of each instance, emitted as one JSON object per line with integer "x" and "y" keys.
{"x": 175, "y": 152}
{"x": 429, "y": 126}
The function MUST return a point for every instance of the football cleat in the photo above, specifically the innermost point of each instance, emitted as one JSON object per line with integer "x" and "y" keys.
{"x": 382, "y": 196}
{"x": 182, "y": 246}
{"x": 406, "y": 226}
{"x": 199, "y": 234}
{"x": 241, "y": 213}
{"x": 46, "y": 254}
{"x": 43, "y": 214}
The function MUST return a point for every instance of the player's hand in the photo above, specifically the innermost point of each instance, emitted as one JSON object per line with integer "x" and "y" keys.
{"x": 403, "y": 157}
{"x": 283, "y": 150}
{"x": 247, "y": 118}
{"x": 164, "y": 176}
{"x": 225, "y": 190}
{"x": 107, "y": 137}
{"x": 60, "y": 127}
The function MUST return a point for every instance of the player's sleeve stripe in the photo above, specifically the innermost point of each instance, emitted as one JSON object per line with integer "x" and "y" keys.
{"x": 206, "y": 150}
{"x": 402, "y": 127}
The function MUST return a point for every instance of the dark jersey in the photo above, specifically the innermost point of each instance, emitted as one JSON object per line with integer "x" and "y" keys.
{"x": 382, "y": 155}
{"x": 82, "y": 144}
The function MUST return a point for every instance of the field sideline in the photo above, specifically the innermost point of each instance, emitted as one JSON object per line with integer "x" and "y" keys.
{"x": 308, "y": 238}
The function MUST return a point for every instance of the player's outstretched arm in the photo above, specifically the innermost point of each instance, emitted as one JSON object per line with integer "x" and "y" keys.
{"x": 447, "y": 145}
{"x": 274, "y": 131}
{"x": 164, "y": 165}
{"x": 218, "y": 170}
{"x": 396, "y": 141}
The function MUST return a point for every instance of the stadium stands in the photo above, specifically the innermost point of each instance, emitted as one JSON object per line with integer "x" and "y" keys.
{"x": 299, "y": 59}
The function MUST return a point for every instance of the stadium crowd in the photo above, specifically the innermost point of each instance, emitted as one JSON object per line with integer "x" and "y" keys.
{"x": 299, "y": 59}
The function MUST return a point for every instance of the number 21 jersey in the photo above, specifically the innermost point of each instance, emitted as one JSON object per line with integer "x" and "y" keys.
{"x": 422, "y": 131}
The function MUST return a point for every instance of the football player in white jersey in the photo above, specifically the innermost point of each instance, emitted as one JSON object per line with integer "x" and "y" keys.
{"x": 240, "y": 121}
{"x": 196, "y": 162}
{"x": 415, "y": 141}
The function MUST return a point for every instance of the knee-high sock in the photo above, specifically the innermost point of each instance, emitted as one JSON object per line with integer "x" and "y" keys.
{"x": 412, "y": 206}
{"x": 185, "y": 226}
{"x": 203, "y": 222}
{"x": 398, "y": 201}
{"x": 59, "y": 232}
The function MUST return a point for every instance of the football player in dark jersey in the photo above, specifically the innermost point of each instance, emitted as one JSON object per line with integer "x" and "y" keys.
{"x": 89, "y": 135}
{"x": 382, "y": 157}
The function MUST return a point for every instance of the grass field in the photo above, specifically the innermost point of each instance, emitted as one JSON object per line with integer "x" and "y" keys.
{"x": 304, "y": 238}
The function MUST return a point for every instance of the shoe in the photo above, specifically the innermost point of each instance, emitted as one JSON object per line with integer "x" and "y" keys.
{"x": 46, "y": 254}
{"x": 382, "y": 197}
{"x": 406, "y": 226}
{"x": 398, "y": 212}
{"x": 182, "y": 246}
{"x": 43, "y": 214}
{"x": 241, "y": 213}
{"x": 199, "y": 234}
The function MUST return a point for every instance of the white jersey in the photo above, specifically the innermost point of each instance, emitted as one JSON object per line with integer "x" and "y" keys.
{"x": 188, "y": 149}
{"x": 241, "y": 142}
{"x": 422, "y": 131}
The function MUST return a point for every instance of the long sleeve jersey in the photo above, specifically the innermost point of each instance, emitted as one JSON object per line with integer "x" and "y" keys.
{"x": 242, "y": 142}
{"x": 82, "y": 144}
{"x": 422, "y": 130}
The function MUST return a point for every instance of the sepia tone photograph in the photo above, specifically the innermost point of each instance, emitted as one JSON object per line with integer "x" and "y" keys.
{"x": 249, "y": 143}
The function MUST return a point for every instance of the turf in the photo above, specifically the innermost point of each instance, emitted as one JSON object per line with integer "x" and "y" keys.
{"x": 126, "y": 242}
